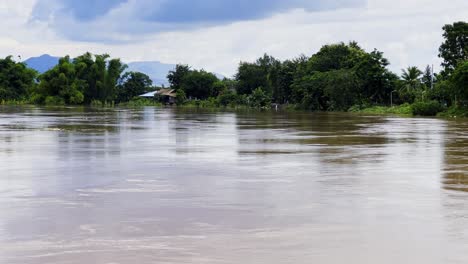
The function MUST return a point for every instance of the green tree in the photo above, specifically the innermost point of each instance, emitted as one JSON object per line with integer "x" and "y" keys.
{"x": 259, "y": 98}
{"x": 181, "y": 98}
{"x": 340, "y": 89}
{"x": 249, "y": 77}
{"x": 411, "y": 78}
{"x": 60, "y": 85}
{"x": 199, "y": 84}
{"x": 331, "y": 57}
{"x": 428, "y": 77}
{"x": 16, "y": 80}
{"x": 81, "y": 80}
{"x": 376, "y": 82}
{"x": 176, "y": 76}
{"x": 100, "y": 74}
{"x": 360, "y": 78}
{"x": 309, "y": 92}
{"x": 133, "y": 84}
{"x": 455, "y": 47}
{"x": 459, "y": 83}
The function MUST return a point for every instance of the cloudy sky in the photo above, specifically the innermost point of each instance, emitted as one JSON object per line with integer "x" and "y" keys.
{"x": 217, "y": 34}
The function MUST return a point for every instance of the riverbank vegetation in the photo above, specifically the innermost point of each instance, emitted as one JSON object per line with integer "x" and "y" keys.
{"x": 339, "y": 77}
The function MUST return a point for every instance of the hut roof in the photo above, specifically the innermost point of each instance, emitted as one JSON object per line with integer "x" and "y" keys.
{"x": 163, "y": 92}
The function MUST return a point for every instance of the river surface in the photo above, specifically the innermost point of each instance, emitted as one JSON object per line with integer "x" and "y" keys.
{"x": 121, "y": 186}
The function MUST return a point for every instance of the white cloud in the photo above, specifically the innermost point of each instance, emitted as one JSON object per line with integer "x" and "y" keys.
{"x": 409, "y": 32}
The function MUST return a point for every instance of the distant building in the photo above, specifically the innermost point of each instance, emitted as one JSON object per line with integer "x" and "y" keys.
{"x": 167, "y": 96}
{"x": 149, "y": 95}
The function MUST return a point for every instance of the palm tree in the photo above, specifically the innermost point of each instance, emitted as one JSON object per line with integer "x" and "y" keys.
{"x": 411, "y": 78}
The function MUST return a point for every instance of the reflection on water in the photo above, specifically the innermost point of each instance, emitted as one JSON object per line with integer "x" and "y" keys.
{"x": 81, "y": 185}
{"x": 456, "y": 157}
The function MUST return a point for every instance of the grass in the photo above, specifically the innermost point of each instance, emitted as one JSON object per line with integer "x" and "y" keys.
{"x": 15, "y": 102}
{"x": 402, "y": 110}
{"x": 455, "y": 112}
{"x": 141, "y": 102}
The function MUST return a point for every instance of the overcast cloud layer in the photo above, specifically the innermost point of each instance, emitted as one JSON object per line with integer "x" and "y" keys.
{"x": 216, "y": 35}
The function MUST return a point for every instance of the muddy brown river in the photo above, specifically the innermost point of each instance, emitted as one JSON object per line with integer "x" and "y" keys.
{"x": 153, "y": 185}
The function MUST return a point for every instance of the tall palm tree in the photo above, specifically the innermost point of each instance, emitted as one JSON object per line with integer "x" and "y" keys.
{"x": 411, "y": 78}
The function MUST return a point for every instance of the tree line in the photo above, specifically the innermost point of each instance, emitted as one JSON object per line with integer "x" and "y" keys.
{"x": 339, "y": 77}
{"x": 82, "y": 80}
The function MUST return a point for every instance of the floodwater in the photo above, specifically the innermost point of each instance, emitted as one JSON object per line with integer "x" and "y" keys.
{"x": 121, "y": 186}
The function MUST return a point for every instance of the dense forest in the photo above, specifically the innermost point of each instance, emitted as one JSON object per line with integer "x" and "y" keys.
{"x": 339, "y": 77}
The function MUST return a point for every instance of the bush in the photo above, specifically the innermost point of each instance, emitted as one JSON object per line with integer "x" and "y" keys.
{"x": 98, "y": 103}
{"x": 141, "y": 102}
{"x": 404, "y": 109}
{"x": 227, "y": 98}
{"x": 259, "y": 99}
{"x": 455, "y": 111}
{"x": 181, "y": 97}
{"x": 426, "y": 108}
{"x": 54, "y": 100}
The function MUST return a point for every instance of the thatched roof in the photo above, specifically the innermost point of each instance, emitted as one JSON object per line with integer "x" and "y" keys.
{"x": 161, "y": 92}
{"x": 167, "y": 92}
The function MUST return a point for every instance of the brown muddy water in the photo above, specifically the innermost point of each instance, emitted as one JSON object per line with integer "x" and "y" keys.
{"x": 171, "y": 186}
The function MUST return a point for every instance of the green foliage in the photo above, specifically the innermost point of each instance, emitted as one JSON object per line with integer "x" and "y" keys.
{"x": 341, "y": 75}
{"x": 98, "y": 103}
{"x": 82, "y": 80}
{"x": 339, "y": 89}
{"x": 133, "y": 84}
{"x": 196, "y": 84}
{"x": 54, "y": 100}
{"x": 100, "y": 74}
{"x": 14, "y": 102}
{"x": 459, "y": 82}
{"x": 60, "y": 85}
{"x": 441, "y": 93}
{"x": 259, "y": 99}
{"x": 426, "y": 108}
{"x": 176, "y": 76}
{"x": 141, "y": 102}
{"x": 228, "y": 98}
{"x": 333, "y": 57}
{"x": 376, "y": 81}
{"x": 16, "y": 80}
{"x": 455, "y": 47}
{"x": 411, "y": 79}
{"x": 181, "y": 97}
{"x": 428, "y": 77}
{"x": 200, "y": 84}
{"x": 404, "y": 110}
{"x": 249, "y": 77}
{"x": 455, "y": 112}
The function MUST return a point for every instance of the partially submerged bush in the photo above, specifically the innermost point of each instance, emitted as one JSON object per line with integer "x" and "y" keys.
{"x": 54, "y": 100}
{"x": 140, "y": 102}
{"x": 426, "y": 108}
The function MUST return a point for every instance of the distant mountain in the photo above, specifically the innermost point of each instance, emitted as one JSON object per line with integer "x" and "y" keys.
{"x": 42, "y": 63}
{"x": 156, "y": 70}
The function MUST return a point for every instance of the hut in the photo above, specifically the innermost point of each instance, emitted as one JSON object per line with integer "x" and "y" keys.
{"x": 166, "y": 96}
